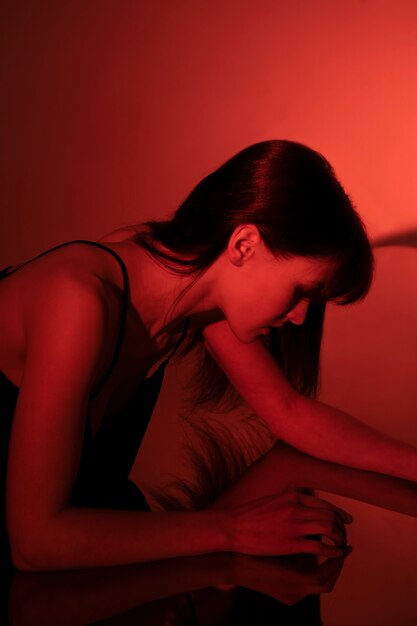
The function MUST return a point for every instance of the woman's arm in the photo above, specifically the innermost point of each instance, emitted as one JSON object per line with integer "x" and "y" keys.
{"x": 67, "y": 329}
{"x": 311, "y": 426}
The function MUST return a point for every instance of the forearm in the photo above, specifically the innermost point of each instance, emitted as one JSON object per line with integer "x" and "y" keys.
{"x": 310, "y": 426}
{"x": 79, "y": 538}
{"x": 333, "y": 435}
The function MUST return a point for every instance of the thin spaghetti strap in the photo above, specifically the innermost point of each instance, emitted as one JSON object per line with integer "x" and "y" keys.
{"x": 125, "y": 299}
{"x": 123, "y": 316}
{"x": 11, "y": 269}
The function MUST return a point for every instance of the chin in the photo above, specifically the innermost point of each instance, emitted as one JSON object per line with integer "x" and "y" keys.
{"x": 245, "y": 336}
{"x": 253, "y": 335}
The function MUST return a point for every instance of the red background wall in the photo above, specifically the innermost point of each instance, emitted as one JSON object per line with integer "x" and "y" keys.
{"x": 111, "y": 110}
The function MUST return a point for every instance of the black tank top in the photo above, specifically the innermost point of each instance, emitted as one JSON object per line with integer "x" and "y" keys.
{"x": 106, "y": 460}
{"x": 102, "y": 480}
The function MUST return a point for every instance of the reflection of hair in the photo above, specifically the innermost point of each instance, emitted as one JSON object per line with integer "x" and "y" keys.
{"x": 291, "y": 194}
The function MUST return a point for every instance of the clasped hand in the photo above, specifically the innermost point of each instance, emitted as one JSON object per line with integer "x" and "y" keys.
{"x": 289, "y": 523}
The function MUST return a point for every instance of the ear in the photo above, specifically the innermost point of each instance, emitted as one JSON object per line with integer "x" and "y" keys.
{"x": 243, "y": 243}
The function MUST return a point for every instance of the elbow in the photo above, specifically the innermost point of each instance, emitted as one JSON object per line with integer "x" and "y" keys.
{"x": 31, "y": 552}
{"x": 22, "y": 559}
{"x": 22, "y": 565}
{"x": 32, "y": 561}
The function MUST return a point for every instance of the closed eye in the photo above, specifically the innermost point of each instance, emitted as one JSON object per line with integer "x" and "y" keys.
{"x": 315, "y": 293}
{"x": 298, "y": 295}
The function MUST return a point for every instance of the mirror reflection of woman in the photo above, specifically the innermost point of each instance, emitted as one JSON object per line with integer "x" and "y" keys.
{"x": 151, "y": 590}
{"x": 246, "y": 266}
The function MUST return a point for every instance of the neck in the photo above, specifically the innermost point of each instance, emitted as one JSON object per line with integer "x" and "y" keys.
{"x": 164, "y": 300}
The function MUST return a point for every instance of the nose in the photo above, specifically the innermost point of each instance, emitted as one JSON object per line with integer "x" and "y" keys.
{"x": 298, "y": 314}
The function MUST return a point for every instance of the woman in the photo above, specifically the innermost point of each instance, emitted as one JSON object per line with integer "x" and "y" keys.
{"x": 263, "y": 241}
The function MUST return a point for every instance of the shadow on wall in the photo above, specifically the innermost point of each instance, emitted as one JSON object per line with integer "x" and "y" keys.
{"x": 369, "y": 369}
{"x": 369, "y": 349}
{"x": 405, "y": 238}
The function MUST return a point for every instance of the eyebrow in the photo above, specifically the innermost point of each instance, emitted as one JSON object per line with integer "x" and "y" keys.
{"x": 305, "y": 291}
{"x": 314, "y": 289}
{"x": 316, "y": 286}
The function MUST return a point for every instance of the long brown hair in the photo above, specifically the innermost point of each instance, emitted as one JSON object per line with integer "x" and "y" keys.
{"x": 290, "y": 192}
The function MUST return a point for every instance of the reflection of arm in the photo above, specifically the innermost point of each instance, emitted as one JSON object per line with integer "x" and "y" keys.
{"x": 311, "y": 426}
{"x": 75, "y": 598}
{"x": 67, "y": 330}
{"x": 83, "y": 597}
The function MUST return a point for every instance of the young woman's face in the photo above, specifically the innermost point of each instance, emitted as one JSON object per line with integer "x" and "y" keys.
{"x": 264, "y": 291}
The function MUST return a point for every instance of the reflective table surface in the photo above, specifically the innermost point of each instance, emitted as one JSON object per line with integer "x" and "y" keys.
{"x": 198, "y": 590}
{"x": 375, "y": 583}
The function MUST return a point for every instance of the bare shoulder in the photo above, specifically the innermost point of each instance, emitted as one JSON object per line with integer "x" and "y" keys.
{"x": 71, "y": 271}
{"x": 66, "y": 330}
{"x": 68, "y": 300}
{"x": 67, "y": 285}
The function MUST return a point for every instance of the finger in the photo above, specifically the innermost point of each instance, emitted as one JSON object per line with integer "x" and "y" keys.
{"x": 326, "y": 575}
{"x": 321, "y": 515}
{"x": 329, "y": 530}
{"x": 330, "y": 563}
{"x": 313, "y": 502}
{"x": 328, "y": 569}
{"x": 348, "y": 550}
{"x": 324, "y": 529}
{"x": 307, "y": 546}
{"x": 327, "y": 585}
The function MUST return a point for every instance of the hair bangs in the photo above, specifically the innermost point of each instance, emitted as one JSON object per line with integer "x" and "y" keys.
{"x": 353, "y": 277}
